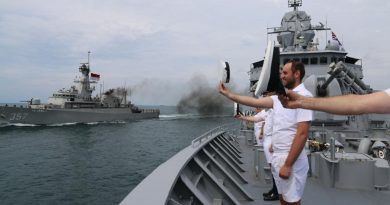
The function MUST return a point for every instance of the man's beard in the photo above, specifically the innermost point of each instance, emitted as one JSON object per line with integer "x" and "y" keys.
{"x": 290, "y": 84}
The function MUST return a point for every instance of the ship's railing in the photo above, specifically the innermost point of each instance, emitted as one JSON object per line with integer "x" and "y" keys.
{"x": 198, "y": 141}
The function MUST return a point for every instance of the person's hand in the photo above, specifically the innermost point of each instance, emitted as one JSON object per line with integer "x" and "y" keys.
{"x": 292, "y": 100}
{"x": 270, "y": 148}
{"x": 223, "y": 90}
{"x": 285, "y": 172}
{"x": 239, "y": 116}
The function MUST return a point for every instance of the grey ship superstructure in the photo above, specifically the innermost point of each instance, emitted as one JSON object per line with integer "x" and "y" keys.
{"x": 348, "y": 155}
{"x": 77, "y": 105}
{"x": 329, "y": 71}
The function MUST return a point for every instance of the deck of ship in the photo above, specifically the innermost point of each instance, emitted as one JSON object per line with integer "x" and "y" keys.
{"x": 220, "y": 168}
{"x": 315, "y": 193}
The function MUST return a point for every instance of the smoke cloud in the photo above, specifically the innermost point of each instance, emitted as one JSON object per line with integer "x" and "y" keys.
{"x": 156, "y": 92}
{"x": 203, "y": 98}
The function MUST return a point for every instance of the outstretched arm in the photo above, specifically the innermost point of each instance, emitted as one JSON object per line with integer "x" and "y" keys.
{"x": 250, "y": 118}
{"x": 266, "y": 102}
{"x": 378, "y": 102}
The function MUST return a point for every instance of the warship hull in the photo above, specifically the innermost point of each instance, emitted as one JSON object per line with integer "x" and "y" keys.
{"x": 223, "y": 166}
{"x": 14, "y": 115}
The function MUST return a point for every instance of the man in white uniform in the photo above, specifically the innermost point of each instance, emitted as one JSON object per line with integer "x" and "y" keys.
{"x": 258, "y": 121}
{"x": 272, "y": 194}
{"x": 289, "y": 135}
{"x": 267, "y": 134}
{"x": 264, "y": 117}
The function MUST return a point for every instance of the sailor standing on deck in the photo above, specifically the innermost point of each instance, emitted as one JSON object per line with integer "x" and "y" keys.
{"x": 265, "y": 116}
{"x": 258, "y": 123}
{"x": 272, "y": 194}
{"x": 290, "y": 130}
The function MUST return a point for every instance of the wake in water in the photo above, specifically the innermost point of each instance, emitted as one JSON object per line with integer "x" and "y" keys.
{"x": 18, "y": 125}
{"x": 88, "y": 123}
{"x": 189, "y": 116}
{"x": 61, "y": 124}
{"x": 179, "y": 116}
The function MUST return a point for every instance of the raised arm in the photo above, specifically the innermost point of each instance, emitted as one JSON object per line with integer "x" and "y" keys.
{"x": 265, "y": 102}
{"x": 378, "y": 102}
{"x": 250, "y": 118}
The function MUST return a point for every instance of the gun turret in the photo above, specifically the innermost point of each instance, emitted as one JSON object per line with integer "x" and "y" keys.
{"x": 346, "y": 77}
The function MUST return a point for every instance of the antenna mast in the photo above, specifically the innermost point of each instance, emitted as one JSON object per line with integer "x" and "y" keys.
{"x": 89, "y": 52}
{"x": 294, "y": 3}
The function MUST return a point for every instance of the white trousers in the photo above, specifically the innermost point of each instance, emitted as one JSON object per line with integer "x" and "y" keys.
{"x": 267, "y": 141}
{"x": 292, "y": 188}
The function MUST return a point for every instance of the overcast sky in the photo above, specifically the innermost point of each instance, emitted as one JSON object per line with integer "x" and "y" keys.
{"x": 158, "y": 46}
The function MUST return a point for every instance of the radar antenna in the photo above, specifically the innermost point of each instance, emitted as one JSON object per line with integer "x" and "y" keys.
{"x": 294, "y": 3}
{"x": 89, "y": 53}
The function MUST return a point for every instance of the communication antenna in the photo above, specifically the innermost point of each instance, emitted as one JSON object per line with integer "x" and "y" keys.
{"x": 294, "y": 3}
{"x": 89, "y": 52}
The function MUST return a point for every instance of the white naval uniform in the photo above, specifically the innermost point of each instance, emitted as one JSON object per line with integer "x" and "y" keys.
{"x": 267, "y": 138}
{"x": 258, "y": 126}
{"x": 285, "y": 122}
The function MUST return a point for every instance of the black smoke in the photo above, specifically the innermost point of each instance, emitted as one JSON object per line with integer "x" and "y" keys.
{"x": 203, "y": 98}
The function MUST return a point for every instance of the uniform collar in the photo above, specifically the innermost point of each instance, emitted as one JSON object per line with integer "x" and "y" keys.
{"x": 299, "y": 87}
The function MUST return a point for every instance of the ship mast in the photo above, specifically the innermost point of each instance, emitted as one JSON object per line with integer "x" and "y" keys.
{"x": 83, "y": 84}
{"x": 296, "y": 32}
{"x": 89, "y": 53}
{"x": 295, "y": 4}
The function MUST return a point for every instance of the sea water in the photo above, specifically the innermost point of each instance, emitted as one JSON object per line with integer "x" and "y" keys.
{"x": 93, "y": 163}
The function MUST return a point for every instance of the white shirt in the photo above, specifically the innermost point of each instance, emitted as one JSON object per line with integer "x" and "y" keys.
{"x": 268, "y": 123}
{"x": 388, "y": 91}
{"x": 259, "y": 125}
{"x": 285, "y": 121}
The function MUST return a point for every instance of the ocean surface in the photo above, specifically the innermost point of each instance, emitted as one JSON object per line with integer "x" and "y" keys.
{"x": 96, "y": 163}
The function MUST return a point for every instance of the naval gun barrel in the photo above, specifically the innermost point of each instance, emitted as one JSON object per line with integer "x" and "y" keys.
{"x": 340, "y": 70}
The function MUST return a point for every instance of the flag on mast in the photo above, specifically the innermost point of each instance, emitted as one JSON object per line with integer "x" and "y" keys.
{"x": 334, "y": 37}
{"x": 94, "y": 76}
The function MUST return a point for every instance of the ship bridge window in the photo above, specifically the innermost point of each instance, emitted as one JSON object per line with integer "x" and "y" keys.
{"x": 323, "y": 60}
{"x": 313, "y": 60}
{"x": 305, "y": 61}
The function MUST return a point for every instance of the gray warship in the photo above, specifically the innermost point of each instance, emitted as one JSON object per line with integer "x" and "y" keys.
{"x": 77, "y": 105}
{"x": 348, "y": 155}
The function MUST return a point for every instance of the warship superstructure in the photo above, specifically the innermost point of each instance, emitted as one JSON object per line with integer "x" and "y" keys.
{"x": 77, "y": 105}
{"x": 348, "y": 155}
{"x": 329, "y": 72}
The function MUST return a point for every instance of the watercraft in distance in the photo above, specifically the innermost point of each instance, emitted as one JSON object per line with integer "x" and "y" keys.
{"x": 77, "y": 105}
